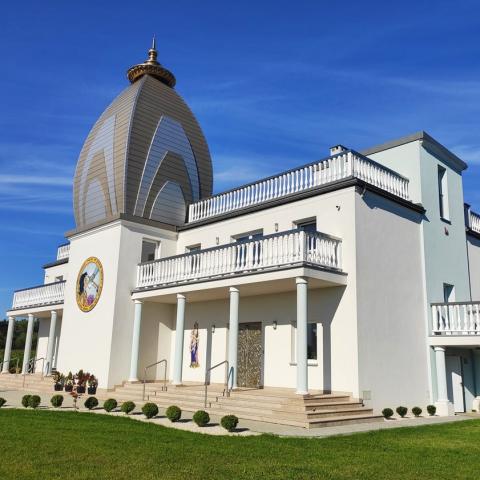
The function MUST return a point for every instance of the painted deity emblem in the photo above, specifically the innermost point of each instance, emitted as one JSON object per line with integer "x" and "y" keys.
{"x": 194, "y": 347}
{"x": 89, "y": 284}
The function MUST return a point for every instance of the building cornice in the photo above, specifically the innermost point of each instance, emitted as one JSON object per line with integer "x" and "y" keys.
{"x": 428, "y": 143}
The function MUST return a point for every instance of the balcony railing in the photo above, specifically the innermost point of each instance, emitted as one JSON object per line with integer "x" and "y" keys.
{"x": 348, "y": 164}
{"x": 63, "y": 251}
{"x": 474, "y": 219}
{"x": 457, "y": 318}
{"x": 269, "y": 252}
{"x": 49, "y": 294}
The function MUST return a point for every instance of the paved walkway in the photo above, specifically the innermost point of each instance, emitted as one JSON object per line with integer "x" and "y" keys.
{"x": 247, "y": 427}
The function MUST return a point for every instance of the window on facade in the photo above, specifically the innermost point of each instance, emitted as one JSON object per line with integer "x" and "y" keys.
{"x": 242, "y": 254}
{"x": 448, "y": 293}
{"x": 443, "y": 192}
{"x": 195, "y": 261}
{"x": 311, "y": 342}
{"x": 193, "y": 248}
{"x": 308, "y": 226}
{"x": 149, "y": 250}
{"x": 59, "y": 278}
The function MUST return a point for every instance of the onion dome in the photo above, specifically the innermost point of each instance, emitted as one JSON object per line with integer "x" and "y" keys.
{"x": 145, "y": 157}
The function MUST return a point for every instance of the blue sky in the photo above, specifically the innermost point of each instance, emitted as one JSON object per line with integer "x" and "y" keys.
{"x": 272, "y": 83}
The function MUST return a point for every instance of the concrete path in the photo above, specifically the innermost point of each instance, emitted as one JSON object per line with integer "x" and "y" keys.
{"x": 245, "y": 427}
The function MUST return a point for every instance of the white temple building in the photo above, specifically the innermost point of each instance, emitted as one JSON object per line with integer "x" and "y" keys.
{"x": 357, "y": 274}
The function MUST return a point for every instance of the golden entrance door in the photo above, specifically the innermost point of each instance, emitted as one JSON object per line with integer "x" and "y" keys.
{"x": 250, "y": 355}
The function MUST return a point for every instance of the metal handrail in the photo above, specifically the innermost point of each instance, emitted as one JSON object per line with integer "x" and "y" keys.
{"x": 31, "y": 364}
{"x": 164, "y": 388}
{"x": 226, "y": 391}
{"x": 10, "y": 361}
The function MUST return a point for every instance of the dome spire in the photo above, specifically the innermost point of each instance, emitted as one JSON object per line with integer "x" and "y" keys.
{"x": 151, "y": 67}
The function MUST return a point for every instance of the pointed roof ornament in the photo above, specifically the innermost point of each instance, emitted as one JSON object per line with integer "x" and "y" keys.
{"x": 151, "y": 67}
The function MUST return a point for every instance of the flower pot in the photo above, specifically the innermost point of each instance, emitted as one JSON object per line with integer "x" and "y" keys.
{"x": 58, "y": 387}
{"x": 80, "y": 389}
{"x": 68, "y": 388}
{"x": 92, "y": 390}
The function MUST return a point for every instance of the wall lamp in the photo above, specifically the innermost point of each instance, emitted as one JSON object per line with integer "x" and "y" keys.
{"x": 213, "y": 329}
{"x": 275, "y": 324}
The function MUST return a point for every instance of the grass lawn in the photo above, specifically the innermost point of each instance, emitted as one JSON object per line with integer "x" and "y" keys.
{"x": 47, "y": 445}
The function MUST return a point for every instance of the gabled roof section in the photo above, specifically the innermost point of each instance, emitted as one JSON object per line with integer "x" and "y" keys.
{"x": 427, "y": 141}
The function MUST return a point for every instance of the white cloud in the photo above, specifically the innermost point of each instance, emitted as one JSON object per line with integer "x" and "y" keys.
{"x": 16, "y": 179}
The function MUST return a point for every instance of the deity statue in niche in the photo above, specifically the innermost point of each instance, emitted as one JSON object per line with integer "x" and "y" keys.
{"x": 194, "y": 347}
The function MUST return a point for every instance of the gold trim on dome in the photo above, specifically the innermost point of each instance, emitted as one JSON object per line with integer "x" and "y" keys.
{"x": 153, "y": 68}
{"x": 88, "y": 288}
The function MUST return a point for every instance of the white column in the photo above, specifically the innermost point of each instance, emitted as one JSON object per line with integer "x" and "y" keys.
{"x": 444, "y": 406}
{"x": 28, "y": 343}
{"x": 233, "y": 337}
{"x": 179, "y": 334}
{"x": 302, "y": 316}
{"x": 8, "y": 345}
{"x": 51, "y": 342}
{"x": 137, "y": 323}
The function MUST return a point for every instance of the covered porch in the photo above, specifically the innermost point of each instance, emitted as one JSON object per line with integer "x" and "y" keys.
{"x": 271, "y": 328}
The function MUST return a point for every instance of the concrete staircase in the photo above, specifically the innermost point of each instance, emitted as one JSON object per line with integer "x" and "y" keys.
{"x": 273, "y": 405}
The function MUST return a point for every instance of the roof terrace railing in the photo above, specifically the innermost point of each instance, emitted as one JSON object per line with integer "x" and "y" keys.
{"x": 347, "y": 164}
{"x": 63, "y": 251}
{"x": 474, "y": 219}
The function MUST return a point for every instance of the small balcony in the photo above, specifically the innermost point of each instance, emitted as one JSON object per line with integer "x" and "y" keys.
{"x": 456, "y": 318}
{"x": 43, "y": 295}
{"x": 345, "y": 165}
{"x": 271, "y": 252}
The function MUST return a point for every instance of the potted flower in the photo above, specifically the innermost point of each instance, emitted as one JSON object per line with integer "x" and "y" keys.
{"x": 81, "y": 381}
{"x": 92, "y": 385}
{"x": 58, "y": 381}
{"x": 69, "y": 382}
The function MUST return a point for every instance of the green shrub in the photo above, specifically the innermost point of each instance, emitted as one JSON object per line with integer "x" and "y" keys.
{"x": 26, "y": 400}
{"x": 417, "y": 411}
{"x": 431, "y": 409}
{"x": 229, "y": 422}
{"x": 34, "y": 401}
{"x": 2, "y": 402}
{"x": 127, "y": 407}
{"x": 92, "y": 402}
{"x": 173, "y": 413}
{"x": 57, "y": 401}
{"x": 402, "y": 411}
{"x": 201, "y": 418}
{"x": 150, "y": 410}
{"x": 387, "y": 413}
{"x": 110, "y": 404}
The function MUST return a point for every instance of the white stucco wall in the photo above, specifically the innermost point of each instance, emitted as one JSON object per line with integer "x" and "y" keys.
{"x": 51, "y": 273}
{"x": 390, "y": 304}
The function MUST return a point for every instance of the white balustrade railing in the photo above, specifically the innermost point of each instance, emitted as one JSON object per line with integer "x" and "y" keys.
{"x": 347, "y": 164}
{"x": 281, "y": 249}
{"x": 51, "y": 293}
{"x": 462, "y": 318}
{"x": 63, "y": 251}
{"x": 474, "y": 221}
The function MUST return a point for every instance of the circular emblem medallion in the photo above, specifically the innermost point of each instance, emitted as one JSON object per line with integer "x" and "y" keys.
{"x": 89, "y": 284}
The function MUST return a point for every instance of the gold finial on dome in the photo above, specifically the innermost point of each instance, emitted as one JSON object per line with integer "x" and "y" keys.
{"x": 151, "y": 67}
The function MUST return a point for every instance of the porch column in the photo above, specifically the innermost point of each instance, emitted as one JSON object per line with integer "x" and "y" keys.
{"x": 137, "y": 323}
{"x": 28, "y": 343}
{"x": 51, "y": 342}
{"x": 8, "y": 345}
{"x": 233, "y": 337}
{"x": 179, "y": 334}
{"x": 444, "y": 406}
{"x": 302, "y": 315}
